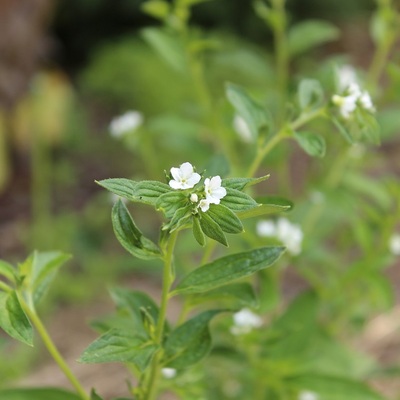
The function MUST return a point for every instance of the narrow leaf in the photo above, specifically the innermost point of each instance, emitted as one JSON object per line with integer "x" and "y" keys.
{"x": 146, "y": 192}
{"x": 225, "y": 218}
{"x": 8, "y": 271}
{"x": 181, "y": 217}
{"x": 170, "y": 202}
{"x": 190, "y": 342}
{"x": 130, "y": 236}
{"x": 311, "y": 143}
{"x": 120, "y": 346}
{"x": 212, "y": 229}
{"x": 227, "y": 269}
{"x": 238, "y": 201}
{"x": 255, "y": 116}
{"x": 267, "y": 205}
{"x": 343, "y": 131}
{"x": 241, "y": 183}
{"x": 198, "y": 233}
{"x": 13, "y": 319}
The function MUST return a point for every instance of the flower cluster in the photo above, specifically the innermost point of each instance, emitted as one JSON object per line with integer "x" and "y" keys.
{"x": 123, "y": 124}
{"x": 185, "y": 177}
{"x": 245, "y": 321}
{"x": 289, "y": 234}
{"x": 351, "y": 96}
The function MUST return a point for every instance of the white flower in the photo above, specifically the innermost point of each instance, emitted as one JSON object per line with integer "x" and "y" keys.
{"x": 346, "y": 76}
{"x": 366, "y": 101}
{"x": 266, "y": 228}
{"x": 125, "y": 123}
{"x": 307, "y": 395}
{"x": 244, "y": 321}
{"x": 289, "y": 234}
{"x": 394, "y": 244}
{"x": 194, "y": 198}
{"x": 204, "y": 204}
{"x": 184, "y": 177}
{"x": 168, "y": 373}
{"x": 242, "y": 129}
{"x": 347, "y": 104}
{"x": 213, "y": 189}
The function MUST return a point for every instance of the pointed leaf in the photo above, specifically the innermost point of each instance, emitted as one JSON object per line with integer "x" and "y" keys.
{"x": 197, "y": 232}
{"x": 311, "y": 143}
{"x": 237, "y": 200}
{"x": 343, "y": 131}
{"x": 227, "y": 269}
{"x": 8, "y": 271}
{"x": 94, "y": 395}
{"x": 120, "y": 346}
{"x": 225, "y": 218}
{"x": 212, "y": 229}
{"x": 170, "y": 202}
{"x": 37, "y": 394}
{"x": 255, "y": 116}
{"x": 267, "y": 205}
{"x": 130, "y": 236}
{"x": 13, "y": 319}
{"x": 146, "y": 192}
{"x": 190, "y": 342}
{"x": 241, "y": 183}
{"x": 181, "y": 217}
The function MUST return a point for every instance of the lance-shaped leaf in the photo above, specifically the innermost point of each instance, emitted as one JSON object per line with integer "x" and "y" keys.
{"x": 343, "y": 130}
{"x": 170, "y": 202}
{"x": 37, "y": 394}
{"x": 212, "y": 229}
{"x": 146, "y": 192}
{"x": 181, "y": 217}
{"x": 130, "y": 236}
{"x": 233, "y": 296}
{"x": 225, "y": 218}
{"x": 227, "y": 269}
{"x": 241, "y": 183}
{"x": 237, "y": 200}
{"x": 197, "y": 232}
{"x": 94, "y": 395}
{"x": 120, "y": 346}
{"x": 311, "y": 143}
{"x": 190, "y": 342}
{"x": 267, "y": 205}
{"x": 255, "y": 116}
{"x": 8, "y": 271}
{"x": 13, "y": 319}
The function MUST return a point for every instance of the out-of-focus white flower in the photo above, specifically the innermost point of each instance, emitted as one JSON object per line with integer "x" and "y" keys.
{"x": 266, "y": 228}
{"x": 168, "y": 373}
{"x": 394, "y": 244}
{"x": 307, "y": 395}
{"x": 366, "y": 102}
{"x": 184, "y": 177}
{"x": 194, "y": 198}
{"x": 245, "y": 321}
{"x": 242, "y": 129}
{"x": 121, "y": 125}
{"x": 289, "y": 234}
{"x": 213, "y": 189}
{"x": 347, "y": 104}
{"x": 346, "y": 75}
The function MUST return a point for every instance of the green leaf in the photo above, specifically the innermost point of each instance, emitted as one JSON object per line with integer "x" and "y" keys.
{"x": 172, "y": 201}
{"x": 168, "y": 47}
{"x": 212, "y": 229}
{"x": 8, "y": 271}
{"x": 255, "y": 116}
{"x": 43, "y": 269}
{"x": 181, "y": 217}
{"x": 146, "y": 192}
{"x": 333, "y": 388}
{"x": 310, "y": 93}
{"x": 94, "y": 395}
{"x": 227, "y": 269}
{"x": 197, "y": 232}
{"x": 308, "y": 34}
{"x": 311, "y": 143}
{"x": 37, "y": 394}
{"x": 190, "y": 342}
{"x": 241, "y": 183}
{"x": 267, "y": 205}
{"x": 237, "y": 200}
{"x": 343, "y": 131}
{"x": 120, "y": 346}
{"x": 225, "y": 218}
{"x": 130, "y": 236}
{"x": 156, "y": 8}
{"x": 13, "y": 319}
{"x": 234, "y": 296}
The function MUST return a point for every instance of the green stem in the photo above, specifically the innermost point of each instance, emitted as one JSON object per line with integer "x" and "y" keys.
{"x": 5, "y": 287}
{"x": 167, "y": 282}
{"x": 52, "y": 349}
